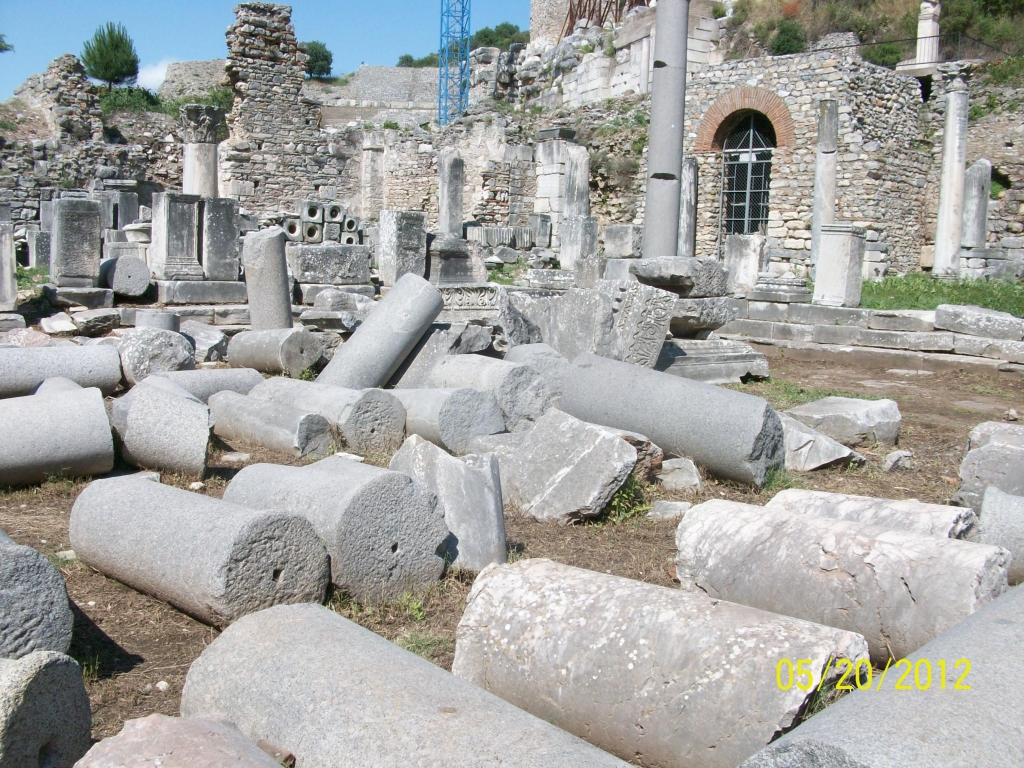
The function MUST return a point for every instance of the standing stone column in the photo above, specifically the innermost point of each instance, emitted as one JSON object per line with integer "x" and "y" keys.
{"x": 577, "y": 181}
{"x": 825, "y": 168}
{"x": 668, "y": 110}
{"x": 977, "y": 192}
{"x": 949, "y": 227}
{"x": 8, "y": 270}
{"x": 199, "y": 126}
{"x": 688, "y": 209}
{"x": 267, "y": 281}
{"x": 452, "y": 177}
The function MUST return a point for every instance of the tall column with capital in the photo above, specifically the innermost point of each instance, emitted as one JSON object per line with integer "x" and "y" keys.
{"x": 949, "y": 227}
{"x": 199, "y": 124}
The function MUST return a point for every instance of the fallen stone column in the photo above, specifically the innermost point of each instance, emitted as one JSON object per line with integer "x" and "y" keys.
{"x": 213, "y": 560}
{"x": 450, "y": 418}
{"x": 275, "y": 427}
{"x": 55, "y": 385}
{"x": 911, "y": 515}
{"x": 177, "y": 742}
{"x": 165, "y": 431}
{"x": 380, "y": 345}
{"x": 1001, "y": 524}
{"x": 34, "y": 610}
{"x": 369, "y": 420}
{"x": 64, "y": 434}
{"x": 203, "y": 383}
{"x": 967, "y": 716}
{"x": 520, "y": 391}
{"x": 266, "y": 280}
{"x": 377, "y": 704}
{"x": 732, "y": 435}
{"x": 126, "y": 275}
{"x": 385, "y": 532}
{"x": 44, "y": 711}
{"x": 470, "y": 491}
{"x": 22, "y": 369}
{"x": 658, "y": 676}
{"x": 898, "y": 589}
{"x": 287, "y": 350}
{"x": 150, "y": 350}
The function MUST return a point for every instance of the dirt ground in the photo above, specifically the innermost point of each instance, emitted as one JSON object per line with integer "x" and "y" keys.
{"x": 131, "y": 646}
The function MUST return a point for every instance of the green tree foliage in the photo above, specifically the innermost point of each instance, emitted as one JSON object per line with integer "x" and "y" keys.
{"x": 110, "y": 56}
{"x": 789, "y": 38}
{"x": 430, "y": 60}
{"x": 502, "y": 36}
{"x": 5, "y": 46}
{"x": 320, "y": 59}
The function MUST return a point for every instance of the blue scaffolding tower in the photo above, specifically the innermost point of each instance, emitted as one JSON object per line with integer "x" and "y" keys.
{"x": 453, "y": 84}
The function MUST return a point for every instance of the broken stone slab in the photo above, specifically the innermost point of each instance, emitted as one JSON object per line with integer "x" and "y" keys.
{"x": 746, "y": 257}
{"x": 565, "y": 470}
{"x": 402, "y": 245}
{"x": 689, "y": 278}
{"x": 808, "y": 449}
{"x": 126, "y": 276}
{"x": 852, "y": 422}
{"x": 96, "y": 322}
{"x": 370, "y": 421}
{"x": 201, "y": 292}
{"x": 564, "y": 643}
{"x": 202, "y": 384}
{"x": 623, "y": 241}
{"x": 9, "y": 321}
{"x": 886, "y": 726}
{"x": 364, "y": 719}
{"x": 286, "y": 350}
{"x": 680, "y": 475}
{"x": 544, "y": 359}
{"x": 55, "y": 385}
{"x": 1001, "y": 524}
{"x": 166, "y": 432}
{"x": 90, "y": 298}
{"x": 977, "y": 321}
{"x": 335, "y": 300}
{"x": 376, "y": 350}
{"x": 385, "y": 532}
{"x": 59, "y": 323}
{"x": 157, "y": 318}
{"x": 310, "y": 292}
{"x": 213, "y": 560}
{"x": 44, "y": 711}
{"x": 76, "y": 243}
{"x": 211, "y": 346}
{"x": 732, "y": 435}
{"x": 520, "y": 391}
{"x": 712, "y": 361}
{"x": 22, "y": 369}
{"x": 897, "y": 460}
{"x": 550, "y": 279}
{"x": 343, "y": 322}
{"x": 668, "y": 511}
{"x": 440, "y": 341}
{"x": 177, "y": 742}
{"x": 908, "y": 515}
{"x": 469, "y": 489}
{"x": 450, "y": 418}
{"x": 898, "y": 589}
{"x": 276, "y": 427}
{"x": 329, "y": 264}
{"x": 65, "y": 434}
{"x": 34, "y": 610}
{"x": 266, "y": 278}
{"x": 145, "y": 351}
{"x": 690, "y": 316}
{"x": 649, "y": 457}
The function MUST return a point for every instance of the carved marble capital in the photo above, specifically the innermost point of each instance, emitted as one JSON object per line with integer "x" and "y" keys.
{"x": 199, "y": 123}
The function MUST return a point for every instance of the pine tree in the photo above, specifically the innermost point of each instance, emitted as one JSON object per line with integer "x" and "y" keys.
{"x": 110, "y": 56}
{"x": 5, "y": 46}
{"x": 320, "y": 59}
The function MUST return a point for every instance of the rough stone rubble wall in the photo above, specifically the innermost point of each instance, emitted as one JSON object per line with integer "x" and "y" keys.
{"x": 547, "y": 17}
{"x": 191, "y": 78}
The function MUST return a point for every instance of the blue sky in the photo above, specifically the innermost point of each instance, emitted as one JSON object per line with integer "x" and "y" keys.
{"x": 371, "y": 31}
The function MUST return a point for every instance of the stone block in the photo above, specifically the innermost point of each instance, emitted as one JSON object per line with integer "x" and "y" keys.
{"x": 38, "y": 249}
{"x": 579, "y": 240}
{"x": 977, "y": 321}
{"x": 688, "y": 278}
{"x": 221, "y": 257}
{"x": 469, "y": 489}
{"x": 286, "y": 350}
{"x": 994, "y": 459}
{"x": 201, "y": 292}
{"x": 451, "y": 172}
{"x": 10, "y": 321}
{"x": 668, "y": 511}
{"x": 90, "y": 298}
{"x": 1001, "y": 524}
{"x": 213, "y": 560}
{"x": 211, "y": 346}
{"x": 902, "y": 320}
{"x": 450, "y": 418}
{"x": 402, "y": 245}
{"x": 157, "y": 318}
{"x": 96, "y": 322}
{"x": 278, "y": 428}
{"x": 690, "y": 316}
{"x": 34, "y": 610}
{"x": 852, "y": 422}
{"x": 384, "y": 532}
{"x": 808, "y": 450}
{"x": 330, "y": 264}
{"x": 174, "y": 251}
{"x": 746, "y": 257}
{"x": 149, "y": 350}
{"x": 453, "y": 262}
{"x": 680, "y": 475}
{"x": 76, "y": 243}
{"x": 767, "y": 312}
{"x": 713, "y": 361}
{"x": 563, "y": 643}
{"x": 810, "y": 314}
{"x": 8, "y": 270}
{"x": 897, "y": 589}
{"x": 44, "y": 711}
{"x": 22, "y": 369}
{"x": 58, "y": 324}
{"x": 540, "y": 223}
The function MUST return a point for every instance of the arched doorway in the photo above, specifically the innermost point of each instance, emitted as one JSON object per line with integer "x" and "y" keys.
{"x": 748, "y": 147}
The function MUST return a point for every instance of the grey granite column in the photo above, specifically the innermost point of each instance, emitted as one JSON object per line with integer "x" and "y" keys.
{"x": 668, "y": 109}
{"x": 949, "y": 227}
{"x": 977, "y": 192}
{"x": 825, "y": 168}
{"x": 452, "y": 171}
{"x": 688, "y": 208}
{"x": 199, "y": 126}
{"x": 577, "y": 181}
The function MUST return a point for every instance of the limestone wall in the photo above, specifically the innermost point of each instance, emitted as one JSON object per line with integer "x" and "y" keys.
{"x": 191, "y": 78}
{"x": 547, "y": 17}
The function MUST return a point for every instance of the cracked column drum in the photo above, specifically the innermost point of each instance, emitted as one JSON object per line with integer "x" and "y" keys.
{"x": 385, "y": 532}
{"x": 34, "y": 610}
{"x": 521, "y": 392}
{"x": 898, "y": 589}
{"x": 213, "y": 560}
{"x": 335, "y": 694}
{"x": 450, "y": 418}
{"x": 658, "y": 676}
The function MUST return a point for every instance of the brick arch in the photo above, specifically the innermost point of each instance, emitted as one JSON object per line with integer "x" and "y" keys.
{"x": 716, "y": 122}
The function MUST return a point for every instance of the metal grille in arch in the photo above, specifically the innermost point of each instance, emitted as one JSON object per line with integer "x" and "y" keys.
{"x": 747, "y": 175}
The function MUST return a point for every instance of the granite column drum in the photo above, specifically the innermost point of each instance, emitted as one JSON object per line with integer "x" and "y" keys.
{"x": 380, "y": 345}
{"x": 450, "y": 418}
{"x": 280, "y": 428}
{"x": 896, "y": 588}
{"x": 452, "y": 170}
{"x": 199, "y": 126}
{"x": 286, "y": 350}
{"x": 307, "y": 653}
{"x": 949, "y": 225}
{"x": 63, "y": 434}
{"x": 668, "y": 110}
{"x": 266, "y": 280}
{"x": 23, "y": 369}
{"x": 734, "y": 436}
{"x": 688, "y": 199}
{"x": 658, "y": 676}
{"x": 34, "y": 610}
{"x": 977, "y": 194}
{"x": 825, "y": 171}
{"x": 213, "y": 560}
{"x": 385, "y": 532}
{"x": 76, "y": 242}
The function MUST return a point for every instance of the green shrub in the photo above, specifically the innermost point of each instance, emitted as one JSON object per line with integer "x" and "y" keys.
{"x": 740, "y": 13}
{"x": 501, "y": 36}
{"x": 763, "y": 31}
{"x": 718, "y": 11}
{"x": 110, "y": 56}
{"x": 390, "y": 125}
{"x": 129, "y": 99}
{"x": 428, "y": 61}
{"x": 884, "y": 54}
{"x": 5, "y": 46}
{"x": 320, "y": 59}
{"x": 789, "y": 38}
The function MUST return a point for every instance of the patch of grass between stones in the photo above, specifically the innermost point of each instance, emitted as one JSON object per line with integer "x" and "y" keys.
{"x": 922, "y": 292}
{"x": 783, "y": 395}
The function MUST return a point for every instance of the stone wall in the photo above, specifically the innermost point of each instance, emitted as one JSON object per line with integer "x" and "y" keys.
{"x": 547, "y": 17}
{"x": 191, "y": 78}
